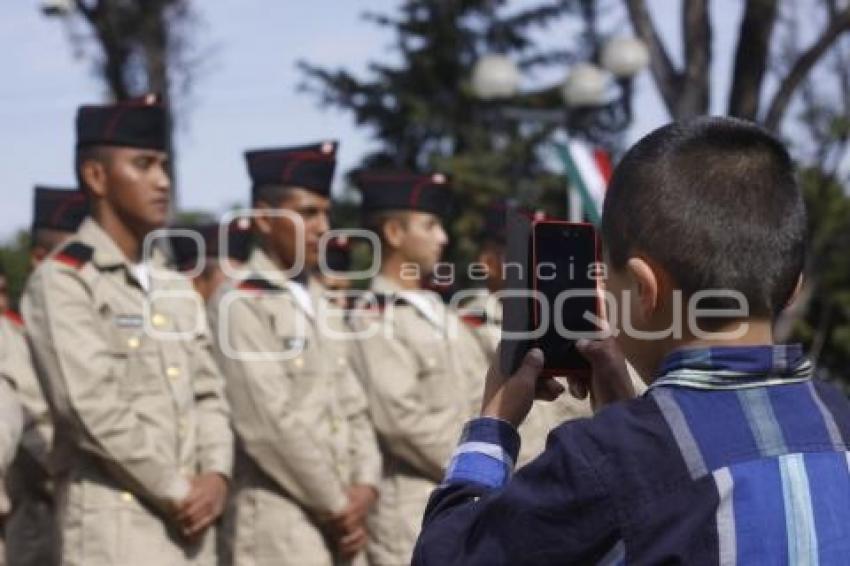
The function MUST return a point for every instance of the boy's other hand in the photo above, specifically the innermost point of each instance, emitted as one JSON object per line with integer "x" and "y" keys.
{"x": 510, "y": 398}
{"x": 609, "y": 381}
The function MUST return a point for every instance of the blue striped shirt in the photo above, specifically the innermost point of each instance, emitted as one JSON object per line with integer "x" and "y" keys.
{"x": 733, "y": 455}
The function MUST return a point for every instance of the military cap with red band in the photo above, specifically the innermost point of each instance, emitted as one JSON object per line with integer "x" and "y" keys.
{"x": 308, "y": 167}
{"x": 59, "y": 209}
{"x": 139, "y": 122}
{"x": 403, "y": 190}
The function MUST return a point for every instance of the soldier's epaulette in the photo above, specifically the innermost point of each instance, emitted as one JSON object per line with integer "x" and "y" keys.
{"x": 258, "y": 284}
{"x": 75, "y": 254}
{"x": 14, "y": 316}
{"x": 474, "y": 318}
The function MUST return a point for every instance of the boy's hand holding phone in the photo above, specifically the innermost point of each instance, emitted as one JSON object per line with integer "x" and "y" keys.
{"x": 509, "y": 398}
{"x": 609, "y": 380}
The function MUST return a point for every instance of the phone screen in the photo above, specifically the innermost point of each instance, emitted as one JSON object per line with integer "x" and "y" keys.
{"x": 564, "y": 257}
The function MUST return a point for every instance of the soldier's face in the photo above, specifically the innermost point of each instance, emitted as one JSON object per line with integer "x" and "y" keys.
{"x": 422, "y": 240}
{"x": 313, "y": 210}
{"x": 135, "y": 184}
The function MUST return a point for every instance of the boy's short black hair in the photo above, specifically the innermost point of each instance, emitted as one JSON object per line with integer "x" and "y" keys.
{"x": 715, "y": 202}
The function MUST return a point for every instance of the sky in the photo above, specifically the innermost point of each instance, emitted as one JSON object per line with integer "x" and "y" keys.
{"x": 247, "y": 95}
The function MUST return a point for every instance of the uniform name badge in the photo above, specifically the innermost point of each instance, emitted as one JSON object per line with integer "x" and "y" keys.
{"x": 129, "y": 320}
{"x": 296, "y": 343}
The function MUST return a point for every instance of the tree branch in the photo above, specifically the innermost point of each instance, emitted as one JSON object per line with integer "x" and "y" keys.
{"x": 801, "y": 68}
{"x": 696, "y": 37}
{"x": 666, "y": 77}
{"x": 751, "y": 57}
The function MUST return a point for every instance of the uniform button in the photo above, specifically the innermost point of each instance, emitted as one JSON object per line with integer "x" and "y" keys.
{"x": 431, "y": 362}
{"x": 127, "y": 497}
{"x": 133, "y": 342}
{"x": 172, "y": 372}
{"x": 340, "y": 361}
{"x": 298, "y": 362}
{"x": 159, "y": 320}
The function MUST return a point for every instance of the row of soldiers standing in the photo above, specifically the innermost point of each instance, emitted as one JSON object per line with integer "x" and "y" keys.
{"x": 269, "y": 426}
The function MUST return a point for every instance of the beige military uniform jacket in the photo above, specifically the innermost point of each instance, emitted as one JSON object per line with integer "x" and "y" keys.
{"x": 136, "y": 398}
{"x": 423, "y": 375}
{"x": 299, "y": 413}
{"x": 11, "y": 414}
{"x": 30, "y": 529}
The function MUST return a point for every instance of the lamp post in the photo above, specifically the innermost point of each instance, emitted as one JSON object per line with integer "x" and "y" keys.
{"x": 594, "y": 96}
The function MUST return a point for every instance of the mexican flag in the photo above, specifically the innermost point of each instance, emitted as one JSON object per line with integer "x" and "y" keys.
{"x": 588, "y": 169}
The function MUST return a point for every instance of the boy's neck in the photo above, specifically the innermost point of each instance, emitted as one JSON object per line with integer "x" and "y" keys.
{"x": 757, "y": 332}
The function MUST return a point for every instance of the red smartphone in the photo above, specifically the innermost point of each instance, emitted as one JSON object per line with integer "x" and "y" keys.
{"x": 565, "y": 269}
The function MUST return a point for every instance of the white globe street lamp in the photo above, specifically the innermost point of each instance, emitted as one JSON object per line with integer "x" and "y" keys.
{"x": 586, "y": 85}
{"x": 495, "y": 76}
{"x": 625, "y": 56}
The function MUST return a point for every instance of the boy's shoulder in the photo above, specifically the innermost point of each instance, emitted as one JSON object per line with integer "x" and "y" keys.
{"x": 628, "y": 446}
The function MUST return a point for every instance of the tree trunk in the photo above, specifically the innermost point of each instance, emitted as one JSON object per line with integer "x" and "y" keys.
{"x": 751, "y": 58}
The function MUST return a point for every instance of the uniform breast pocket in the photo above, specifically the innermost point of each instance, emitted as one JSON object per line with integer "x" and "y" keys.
{"x": 137, "y": 363}
{"x": 435, "y": 382}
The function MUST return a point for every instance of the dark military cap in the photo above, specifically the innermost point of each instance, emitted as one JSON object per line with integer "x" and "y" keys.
{"x": 186, "y": 252}
{"x": 308, "y": 167}
{"x": 338, "y": 254}
{"x": 59, "y": 209}
{"x": 140, "y": 123}
{"x": 403, "y": 190}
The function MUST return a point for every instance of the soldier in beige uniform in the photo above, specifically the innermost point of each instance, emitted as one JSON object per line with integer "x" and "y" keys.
{"x": 308, "y": 465}
{"x": 203, "y": 259}
{"x": 422, "y": 372}
{"x": 13, "y": 353}
{"x": 31, "y": 534}
{"x": 142, "y": 445}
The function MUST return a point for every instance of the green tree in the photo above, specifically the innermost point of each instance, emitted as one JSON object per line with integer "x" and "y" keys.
{"x": 424, "y": 114}
{"x": 137, "y": 47}
{"x": 15, "y": 259}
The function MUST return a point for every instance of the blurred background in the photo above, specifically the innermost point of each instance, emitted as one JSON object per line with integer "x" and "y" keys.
{"x": 524, "y": 99}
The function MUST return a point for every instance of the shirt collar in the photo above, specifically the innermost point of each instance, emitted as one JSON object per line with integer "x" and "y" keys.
{"x": 107, "y": 254}
{"x": 260, "y": 264}
{"x": 734, "y": 367}
{"x": 426, "y": 303}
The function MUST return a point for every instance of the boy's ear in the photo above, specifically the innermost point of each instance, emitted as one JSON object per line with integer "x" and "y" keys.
{"x": 648, "y": 282}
